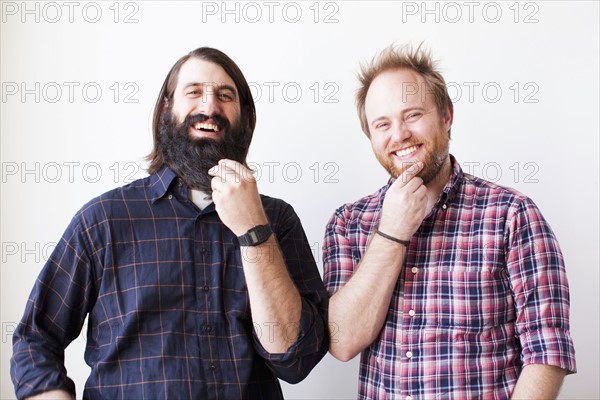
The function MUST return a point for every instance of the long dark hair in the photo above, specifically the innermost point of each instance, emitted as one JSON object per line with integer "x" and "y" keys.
{"x": 248, "y": 110}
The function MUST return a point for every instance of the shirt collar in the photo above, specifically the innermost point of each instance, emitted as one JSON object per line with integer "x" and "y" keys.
{"x": 160, "y": 181}
{"x": 453, "y": 185}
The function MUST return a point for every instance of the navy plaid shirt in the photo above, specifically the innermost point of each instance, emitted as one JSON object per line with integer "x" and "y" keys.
{"x": 169, "y": 316}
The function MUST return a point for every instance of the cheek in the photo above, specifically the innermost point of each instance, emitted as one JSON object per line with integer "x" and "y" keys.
{"x": 378, "y": 143}
{"x": 181, "y": 110}
{"x": 422, "y": 129}
{"x": 233, "y": 112}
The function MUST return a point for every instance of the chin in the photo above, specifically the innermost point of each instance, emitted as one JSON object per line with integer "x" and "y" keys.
{"x": 398, "y": 169}
{"x": 200, "y": 136}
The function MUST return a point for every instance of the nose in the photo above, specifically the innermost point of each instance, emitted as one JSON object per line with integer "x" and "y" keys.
{"x": 400, "y": 131}
{"x": 208, "y": 103}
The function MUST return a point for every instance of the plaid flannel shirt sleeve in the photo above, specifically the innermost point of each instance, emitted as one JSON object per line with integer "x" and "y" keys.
{"x": 312, "y": 342}
{"x": 338, "y": 257}
{"x": 541, "y": 291}
{"x": 54, "y": 316}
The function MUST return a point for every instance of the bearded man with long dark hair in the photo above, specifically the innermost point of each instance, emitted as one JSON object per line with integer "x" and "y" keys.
{"x": 195, "y": 285}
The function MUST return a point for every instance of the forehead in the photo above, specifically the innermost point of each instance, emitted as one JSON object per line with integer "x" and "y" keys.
{"x": 197, "y": 71}
{"x": 402, "y": 88}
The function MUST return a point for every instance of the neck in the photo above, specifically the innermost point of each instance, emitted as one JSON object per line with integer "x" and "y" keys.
{"x": 436, "y": 186}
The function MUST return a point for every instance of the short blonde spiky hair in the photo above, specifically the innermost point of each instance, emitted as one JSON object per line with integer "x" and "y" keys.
{"x": 403, "y": 57}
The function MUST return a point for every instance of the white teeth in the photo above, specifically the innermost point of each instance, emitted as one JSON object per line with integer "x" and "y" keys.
{"x": 202, "y": 125}
{"x": 404, "y": 152}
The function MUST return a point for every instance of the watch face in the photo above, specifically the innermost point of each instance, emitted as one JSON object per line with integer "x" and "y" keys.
{"x": 256, "y": 235}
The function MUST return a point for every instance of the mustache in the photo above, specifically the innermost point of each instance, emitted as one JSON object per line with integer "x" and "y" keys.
{"x": 218, "y": 119}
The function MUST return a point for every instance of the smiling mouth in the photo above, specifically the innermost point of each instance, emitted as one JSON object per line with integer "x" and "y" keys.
{"x": 406, "y": 151}
{"x": 206, "y": 127}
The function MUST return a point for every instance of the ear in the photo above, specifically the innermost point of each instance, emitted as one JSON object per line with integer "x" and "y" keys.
{"x": 449, "y": 117}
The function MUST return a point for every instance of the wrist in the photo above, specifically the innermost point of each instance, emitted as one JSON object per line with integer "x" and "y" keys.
{"x": 256, "y": 235}
{"x": 404, "y": 242}
{"x": 243, "y": 227}
{"x": 395, "y": 231}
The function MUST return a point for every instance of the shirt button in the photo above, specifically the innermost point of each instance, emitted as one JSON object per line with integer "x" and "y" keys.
{"x": 444, "y": 207}
{"x": 409, "y": 354}
{"x": 411, "y": 313}
{"x": 207, "y": 328}
{"x": 414, "y": 270}
{"x": 170, "y": 196}
{"x": 206, "y": 288}
{"x": 408, "y": 398}
{"x": 212, "y": 366}
{"x": 203, "y": 250}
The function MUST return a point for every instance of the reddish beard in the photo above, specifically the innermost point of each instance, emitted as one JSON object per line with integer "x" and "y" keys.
{"x": 436, "y": 153}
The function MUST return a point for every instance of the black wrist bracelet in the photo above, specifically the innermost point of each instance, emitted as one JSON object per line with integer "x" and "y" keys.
{"x": 393, "y": 239}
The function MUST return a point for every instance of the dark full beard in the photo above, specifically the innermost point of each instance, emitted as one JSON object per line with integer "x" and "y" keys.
{"x": 191, "y": 158}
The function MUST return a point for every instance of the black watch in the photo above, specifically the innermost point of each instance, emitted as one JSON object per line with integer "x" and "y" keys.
{"x": 255, "y": 236}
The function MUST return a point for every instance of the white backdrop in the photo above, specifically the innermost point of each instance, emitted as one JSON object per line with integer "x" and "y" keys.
{"x": 79, "y": 80}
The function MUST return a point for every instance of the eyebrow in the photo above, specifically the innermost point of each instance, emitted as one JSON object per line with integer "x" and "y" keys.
{"x": 403, "y": 112}
{"x": 212, "y": 84}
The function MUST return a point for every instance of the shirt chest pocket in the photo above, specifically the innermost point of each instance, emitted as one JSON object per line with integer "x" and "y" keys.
{"x": 462, "y": 297}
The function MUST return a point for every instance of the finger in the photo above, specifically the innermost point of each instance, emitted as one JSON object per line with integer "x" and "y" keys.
{"x": 240, "y": 170}
{"x": 225, "y": 165}
{"x": 414, "y": 184}
{"x": 225, "y": 172}
{"x": 214, "y": 171}
{"x": 217, "y": 200}
{"x": 230, "y": 165}
{"x": 409, "y": 173}
{"x": 421, "y": 192}
{"x": 216, "y": 183}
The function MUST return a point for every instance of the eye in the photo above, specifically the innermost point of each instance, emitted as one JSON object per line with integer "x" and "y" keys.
{"x": 414, "y": 116}
{"x": 194, "y": 92}
{"x": 382, "y": 125}
{"x": 226, "y": 96}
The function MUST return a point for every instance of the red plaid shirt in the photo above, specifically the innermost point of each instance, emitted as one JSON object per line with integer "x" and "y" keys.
{"x": 483, "y": 293}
